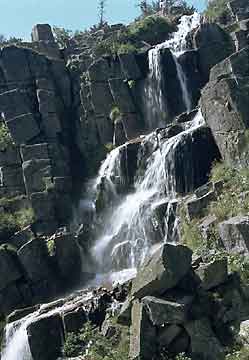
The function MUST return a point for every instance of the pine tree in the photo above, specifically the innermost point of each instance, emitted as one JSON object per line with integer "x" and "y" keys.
{"x": 101, "y": 8}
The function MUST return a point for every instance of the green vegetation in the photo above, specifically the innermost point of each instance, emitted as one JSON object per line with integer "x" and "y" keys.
{"x": 62, "y": 36}
{"x": 115, "y": 114}
{"x": 9, "y": 41}
{"x": 234, "y": 197}
{"x": 51, "y": 249}
{"x": 217, "y": 11}
{"x": 242, "y": 354}
{"x": 13, "y": 221}
{"x": 151, "y": 30}
{"x": 5, "y": 137}
{"x": 100, "y": 348}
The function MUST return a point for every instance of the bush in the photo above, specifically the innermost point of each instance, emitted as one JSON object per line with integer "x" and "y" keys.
{"x": 24, "y": 217}
{"x": 5, "y": 137}
{"x": 99, "y": 347}
{"x": 242, "y": 354}
{"x": 115, "y": 114}
{"x": 152, "y": 29}
{"x": 234, "y": 198}
{"x": 217, "y": 10}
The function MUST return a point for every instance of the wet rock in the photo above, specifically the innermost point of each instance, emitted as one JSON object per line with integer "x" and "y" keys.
{"x": 213, "y": 273}
{"x": 162, "y": 312}
{"x": 21, "y": 313}
{"x": 11, "y": 177}
{"x": 23, "y": 128}
{"x": 142, "y": 334}
{"x": 43, "y": 206}
{"x": 102, "y": 99}
{"x": 162, "y": 271}
{"x": 234, "y": 234}
{"x": 204, "y": 344}
{"x": 74, "y": 320}
{"x": 122, "y": 95}
{"x": 40, "y": 332}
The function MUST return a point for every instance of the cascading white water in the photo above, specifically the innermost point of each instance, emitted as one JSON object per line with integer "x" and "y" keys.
{"x": 16, "y": 338}
{"x": 156, "y": 108}
{"x": 126, "y": 238}
{"x": 127, "y": 231}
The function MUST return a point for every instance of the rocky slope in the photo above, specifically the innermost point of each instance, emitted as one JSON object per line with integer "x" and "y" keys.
{"x": 60, "y": 115}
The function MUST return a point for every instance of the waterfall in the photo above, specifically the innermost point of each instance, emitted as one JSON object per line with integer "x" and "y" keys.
{"x": 16, "y": 345}
{"x": 156, "y": 109}
{"x": 128, "y": 232}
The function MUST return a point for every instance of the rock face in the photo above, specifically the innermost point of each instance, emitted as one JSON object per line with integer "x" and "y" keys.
{"x": 234, "y": 234}
{"x": 162, "y": 272}
{"x": 228, "y": 117}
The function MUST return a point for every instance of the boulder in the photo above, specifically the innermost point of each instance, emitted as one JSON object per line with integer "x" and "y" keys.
{"x": 34, "y": 152}
{"x": 163, "y": 312}
{"x": 13, "y": 59}
{"x": 162, "y": 272}
{"x": 204, "y": 344}
{"x": 142, "y": 334}
{"x": 74, "y": 320}
{"x": 42, "y": 32}
{"x": 43, "y": 206}
{"x": 234, "y": 234}
{"x": 213, "y": 273}
{"x": 228, "y": 92}
{"x": 11, "y": 176}
{"x": 244, "y": 332}
{"x": 10, "y": 157}
{"x": 213, "y": 45}
{"x": 124, "y": 316}
{"x": 21, "y": 237}
{"x": 35, "y": 172}
{"x": 67, "y": 254}
{"x": 35, "y": 260}
{"x": 167, "y": 334}
{"x": 196, "y": 206}
{"x": 239, "y": 8}
{"x": 40, "y": 333}
{"x": 10, "y": 270}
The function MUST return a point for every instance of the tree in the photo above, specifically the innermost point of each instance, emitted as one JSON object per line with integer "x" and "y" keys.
{"x": 62, "y": 36}
{"x": 101, "y": 9}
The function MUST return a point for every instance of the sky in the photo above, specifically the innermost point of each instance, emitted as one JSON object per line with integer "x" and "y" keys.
{"x": 19, "y": 16}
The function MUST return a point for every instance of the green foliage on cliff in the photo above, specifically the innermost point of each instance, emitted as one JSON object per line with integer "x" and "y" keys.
{"x": 5, "y": 137}
{"x": 152, "y": 29}
{"x": 217, "y": 10}
{"x": 100, "y": 347}
{"x": 12, "y": 221}
{"x": 242, "y": 354}
{"x": 234, "y": 197}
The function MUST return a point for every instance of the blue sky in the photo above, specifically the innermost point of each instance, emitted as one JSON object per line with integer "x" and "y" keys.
{"x": 18, "y": 16}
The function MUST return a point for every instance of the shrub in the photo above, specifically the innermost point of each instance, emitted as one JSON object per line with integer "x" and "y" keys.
{"x": 217, "y": 10}
{"x": 24, "y": 217}
{"x": 8, "y": 226}
{"x": 242, "y": 354}
{"x": 5, "y": 137}
{"x": 152, "y": 29}
{"x": 99, "y": 347}
{"x": 115, "y": 114}
{"x": 234, "y": 198}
